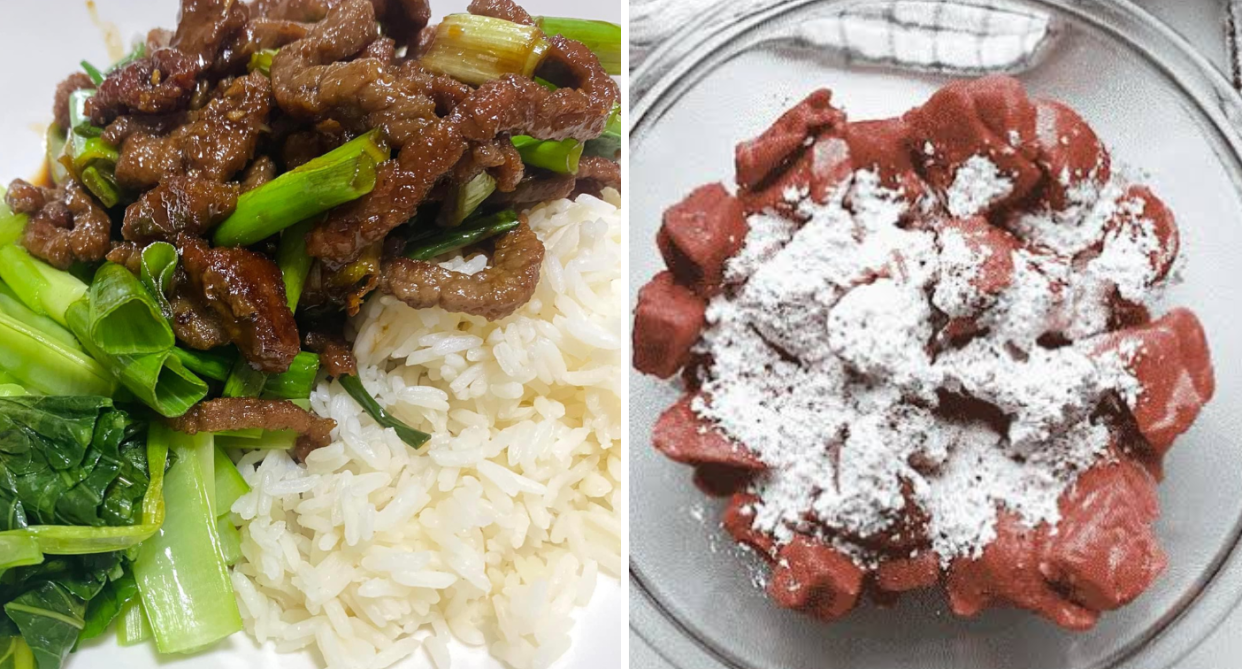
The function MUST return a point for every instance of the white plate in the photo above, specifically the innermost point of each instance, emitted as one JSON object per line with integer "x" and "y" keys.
{"x": 41, "y": 43}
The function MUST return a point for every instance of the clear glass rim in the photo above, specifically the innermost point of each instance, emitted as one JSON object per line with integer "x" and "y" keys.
{"x": 666, "y": 73}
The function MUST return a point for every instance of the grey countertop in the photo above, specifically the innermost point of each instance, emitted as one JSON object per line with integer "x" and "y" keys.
{"x": 1201, "y": 22}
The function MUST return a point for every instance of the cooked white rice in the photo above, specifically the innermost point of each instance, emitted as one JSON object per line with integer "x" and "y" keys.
{"x": 495, "y": 530}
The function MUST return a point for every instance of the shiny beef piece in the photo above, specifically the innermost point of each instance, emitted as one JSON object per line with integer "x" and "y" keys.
{"x": 501, "y": 9}
{"x": 157, "y": 84}
{"x": 179, "y": 204}
{"x": 520, "y": 106}
{"x": 667, "y": 323}
{"x": 125, "y": 127}
{"x": 536, "y": 186}
{"x": 127, "y": 254}
{"x": 445, "y": 92}
{"x": 401, "y": 186}
{"x": 206, "y": 26}
{"x": 595, "y": 174}
{"x": 699, "y": 234}
{"x": 311, "y": 82}
{"x": 682, "y": 436}
{"x": 815, "y": 578}
{"x": 194, "y": 323}
{"x": 498, "y": 157}
{"x": 259, "y": 172}
{"x": 66, "y": 223}
{"x": 508, "y": 283}
{"x": 383, "y": 50}
{"x": 257, "y": 35}
{"x": 245, "y": 290}
{"x": 218, "y": 141}
{"x": 60, "y": 106}
{"x": 241, "y": 413}
{"x": 760, "y": 157}
{"x": 335, "y": 353}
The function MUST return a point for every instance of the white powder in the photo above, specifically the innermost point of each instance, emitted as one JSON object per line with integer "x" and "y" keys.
{"x": 822, "y": 366}
{"x": 977, "y": 183}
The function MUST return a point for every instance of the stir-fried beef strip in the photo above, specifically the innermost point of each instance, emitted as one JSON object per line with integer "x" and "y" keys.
{"x": 195, "y": 324}
{"x": 179, "y": 204}
{"x": 335, "y": 354}
{"x": 498, "y": 157}
{"x": 596, "y": 174}
{"x": 206, "y": 26}
{"x": 66, "y": 224}
{"x": 445, "y": 92}
{"x": 128, "y": 254}
{"x": 60, "y": 105}
{"x": 537, "y": 186}
{"x": 157, "y": 84}
{"x": 241, "y": 413}
{"x": 262, "y": 170}
{"x": 501, "y": 9}
{"x": 194, "y": 130}
{"x": 493, "y": 293}
{"x": 518, "y": 105}
{"x": 218, "y": 142}
{"x": 246, "y": 292}
{"x": 401, "y": 186}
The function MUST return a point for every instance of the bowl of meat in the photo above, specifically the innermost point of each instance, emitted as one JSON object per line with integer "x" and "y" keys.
{"x": 312, "y": 335}
{"x": 927, "y": 301}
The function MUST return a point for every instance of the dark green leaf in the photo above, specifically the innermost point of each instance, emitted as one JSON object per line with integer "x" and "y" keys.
{"x": 50, "y": 618}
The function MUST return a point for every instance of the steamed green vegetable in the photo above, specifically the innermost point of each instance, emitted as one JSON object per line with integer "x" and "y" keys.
{"x": 45, "y": 364}
{"x": 80, "y": 483}
{"x": 159, "y": 263}
{"x": 43, "y": 288}
{"x": 229, "y": 483}
{"x": 343, "y": 174}
{"x": 12, "y": 306}
{"x": 186, "y": 589}
{"x": 137, "y": 350}
{"x": 132, "y": 627}
{"x": 214, "y": 364}
{"x": 12, "y": 225}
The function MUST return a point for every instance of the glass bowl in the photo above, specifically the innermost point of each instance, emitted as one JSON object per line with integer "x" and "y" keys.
{"x": 1162, "y": 110}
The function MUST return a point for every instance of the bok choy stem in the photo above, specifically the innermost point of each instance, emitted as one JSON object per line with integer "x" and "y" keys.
{"x": 186, "y": 589}
{"x": 47, "y": 365}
